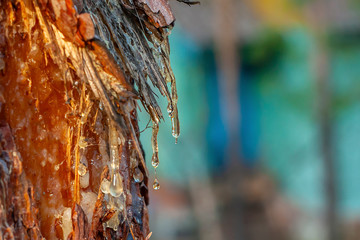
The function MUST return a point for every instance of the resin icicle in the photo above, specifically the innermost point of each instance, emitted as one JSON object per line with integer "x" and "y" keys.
{"x": 155, "y": 156}
{"x": 175, "y": 125}
{"x": 174, "y": 113}
{"x": 116, "y": 184}
{"x": 105, "y": 186}
{"x": 154, "y": 143}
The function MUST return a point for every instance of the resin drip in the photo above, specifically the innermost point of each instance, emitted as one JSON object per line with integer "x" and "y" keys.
{"x": 174, "y": 113}
{"x": 155, "y": 147}
{"x": 138, "y": 175}
{"x": 175, "y": 124}
{"x": 116, "y": 184}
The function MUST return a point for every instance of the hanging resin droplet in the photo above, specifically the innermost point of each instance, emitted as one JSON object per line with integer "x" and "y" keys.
{"x": 138, "y": 175}
{"x": 101, "y": 106}
{"x": 175, "y": 125}
{"x": 82, "y": 142}
{"x": 169, "y": 109}
{"x": 57, "y": 167}
{"x": 155, "y": 160}
{"x": 105, "y": 186}
{"x": 116, "y": 185}
{"x": 85, "y": 180}
{"x": 83, "y": 118}
{"x": 156, "y": 184}
{"x": 82, "y": 169}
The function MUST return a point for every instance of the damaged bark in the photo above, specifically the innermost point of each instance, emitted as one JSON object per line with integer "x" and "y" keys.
{"x": 71, "y": 72}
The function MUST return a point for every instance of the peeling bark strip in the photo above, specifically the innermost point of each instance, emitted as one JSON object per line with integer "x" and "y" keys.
{"x": 71, "y": 72}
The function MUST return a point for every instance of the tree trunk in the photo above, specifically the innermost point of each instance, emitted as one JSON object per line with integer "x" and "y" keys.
{"x": 71, "y": 164}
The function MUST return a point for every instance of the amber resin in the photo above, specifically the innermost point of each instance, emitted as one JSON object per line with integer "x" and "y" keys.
{"x": 71, "y": 76}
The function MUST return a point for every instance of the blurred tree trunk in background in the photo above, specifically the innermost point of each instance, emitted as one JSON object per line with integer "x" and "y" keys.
{"x": 228, "y": 69}
{"x": 326, "y": 142}
{"x": 325, "y": 120}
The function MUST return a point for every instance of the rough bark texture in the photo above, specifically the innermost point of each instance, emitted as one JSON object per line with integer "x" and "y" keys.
{"x": 71, "y": 164}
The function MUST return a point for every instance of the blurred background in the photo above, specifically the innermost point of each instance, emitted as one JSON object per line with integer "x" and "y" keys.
{"x": 269, "y": 103}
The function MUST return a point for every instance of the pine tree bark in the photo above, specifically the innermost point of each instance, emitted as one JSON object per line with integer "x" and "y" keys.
{"x": 71, "y": 75}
